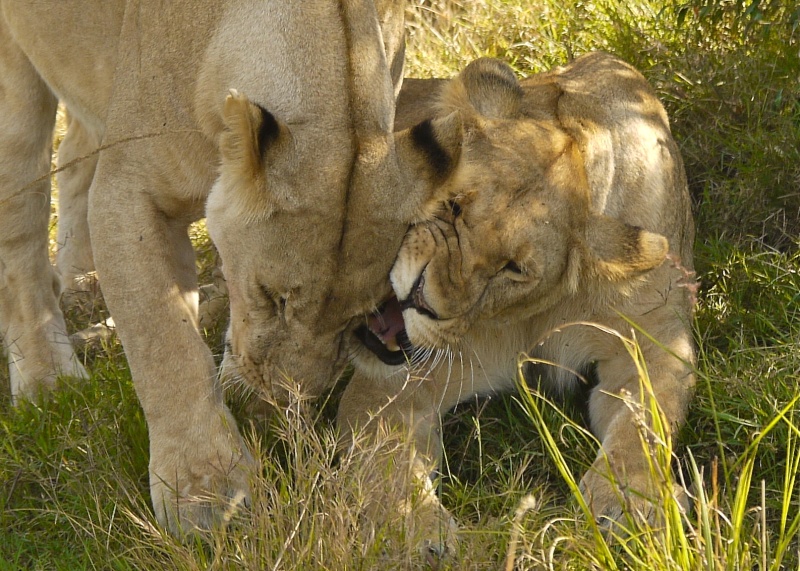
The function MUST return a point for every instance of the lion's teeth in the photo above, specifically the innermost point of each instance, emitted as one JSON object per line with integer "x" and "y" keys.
{"x": 392, "y": 345}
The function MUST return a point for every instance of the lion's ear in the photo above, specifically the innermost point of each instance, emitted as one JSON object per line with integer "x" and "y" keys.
{"x": 486, "y": 86}
{"x": 428, "y": 155}
{"x": 251, "y": 139}
{"x": 620, "y": 251}
{"x": 250, "y": 131}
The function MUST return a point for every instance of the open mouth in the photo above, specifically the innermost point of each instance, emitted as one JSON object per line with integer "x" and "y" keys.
{"x": 385, "y": 334}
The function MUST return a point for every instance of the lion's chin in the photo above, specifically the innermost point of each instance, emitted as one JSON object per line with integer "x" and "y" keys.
{"x": 385, "y": 335}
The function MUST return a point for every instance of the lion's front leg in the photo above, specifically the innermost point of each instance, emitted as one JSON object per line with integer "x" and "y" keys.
{"x": 372, "y": 412}
{"x": 199, "y": 465}
{"x": 626, "y": 479}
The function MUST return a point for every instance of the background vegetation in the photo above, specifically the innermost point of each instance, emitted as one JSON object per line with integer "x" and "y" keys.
{"x": 73, "y": 472}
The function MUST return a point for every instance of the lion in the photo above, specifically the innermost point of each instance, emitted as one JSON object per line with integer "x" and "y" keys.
{"x": 567, "y": 218}
{"x": 273, "y": 119}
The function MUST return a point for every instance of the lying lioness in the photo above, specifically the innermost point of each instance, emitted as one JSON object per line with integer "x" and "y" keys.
{"x": 285, "y": 109}
{"x": 567, "y": 207}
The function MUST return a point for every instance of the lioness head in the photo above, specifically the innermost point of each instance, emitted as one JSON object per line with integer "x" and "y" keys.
{"x": 301, "y": 266}
{"x": 516, "y": 234}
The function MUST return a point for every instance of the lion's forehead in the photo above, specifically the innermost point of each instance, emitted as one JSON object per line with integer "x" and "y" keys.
{"x": 518, "y": 202}
{"x": 517, "y": 199}
{"x": 516, "y": 167}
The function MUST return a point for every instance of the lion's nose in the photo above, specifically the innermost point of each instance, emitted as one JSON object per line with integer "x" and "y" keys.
{"x": 416, "y": 299}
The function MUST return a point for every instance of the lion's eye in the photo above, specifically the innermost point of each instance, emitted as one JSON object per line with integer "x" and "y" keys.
{"x": 512, "y": 267}
{"x": 268, "y": 294}
{"x": 278, "y": 300}
{"x": 455, "y": 208}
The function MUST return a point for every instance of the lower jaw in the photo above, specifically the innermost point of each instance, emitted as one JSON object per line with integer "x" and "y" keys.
{"x": 377, "y": 348}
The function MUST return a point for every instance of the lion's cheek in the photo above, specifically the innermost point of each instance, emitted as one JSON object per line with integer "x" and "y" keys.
{"x": 425, "y": 332}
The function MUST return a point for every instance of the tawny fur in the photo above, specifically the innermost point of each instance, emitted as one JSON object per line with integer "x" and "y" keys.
{"x": 575, "y": 178}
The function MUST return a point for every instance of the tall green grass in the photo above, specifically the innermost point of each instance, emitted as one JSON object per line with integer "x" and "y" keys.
{"x": 734, "y": 522}
{"x": 73, "y": 471}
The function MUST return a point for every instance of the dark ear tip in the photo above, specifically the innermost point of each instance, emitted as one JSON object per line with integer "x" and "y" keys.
{"x": 424, "y": 138}
{"x": 268, "y": 131}
{"x": 422, "y": 133}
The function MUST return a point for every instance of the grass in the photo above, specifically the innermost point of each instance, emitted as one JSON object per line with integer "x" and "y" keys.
{"x": 73, "y": 471}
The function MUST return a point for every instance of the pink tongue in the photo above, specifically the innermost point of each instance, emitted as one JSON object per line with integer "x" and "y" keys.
{"x": 389, "y": 323}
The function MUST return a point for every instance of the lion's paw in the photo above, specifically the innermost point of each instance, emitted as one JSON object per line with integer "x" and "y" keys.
{"x": 435, "y": 531}
{"x": 616, "y": 502}
{"x": 441, "y": 540}
{"x": 80, "y": 292}
{"x": 202, "y": 483}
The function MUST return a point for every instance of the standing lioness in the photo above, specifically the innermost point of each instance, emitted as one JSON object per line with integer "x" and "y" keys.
{"x": 285, "y": 108}
{"x": 567, "y": 216}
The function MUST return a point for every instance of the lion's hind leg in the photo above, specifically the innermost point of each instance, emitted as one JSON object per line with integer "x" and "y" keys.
{"x": 31, "y": 323}
{"x": 77, "y": 160}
